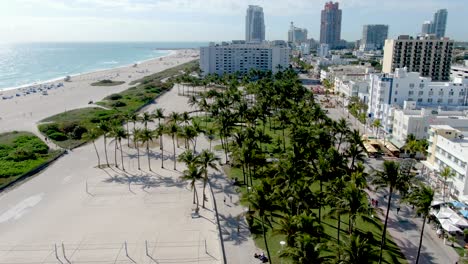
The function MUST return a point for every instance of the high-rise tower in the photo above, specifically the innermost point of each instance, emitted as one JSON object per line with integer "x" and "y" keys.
{"x": 330, "y": 25}
{"x": 254, "y": 24}
{"x": 439, "y": 23}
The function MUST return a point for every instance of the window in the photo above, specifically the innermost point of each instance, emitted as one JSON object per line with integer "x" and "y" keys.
{"x": 411, "y": 85}
{"x": 461, "y": 93}
{"x": 395, "y": 100}
{"x": 420, "y": 93}
{"x": 439, "y": 100}
{"x": 429, "y": 100}
{"x": 450, "y": 101}
{"x": 431, "y": 93}
{"x": 421, "y": 85}
{"x": 451, "y": 93}
{"x": 460, "y": 101}
{"x": 410, "y": 93}
{"x": 396, "y": 92}
{"x": 441, "y": 93}
{"x": 396, "y": 85}
{"x": 419, "y": 100}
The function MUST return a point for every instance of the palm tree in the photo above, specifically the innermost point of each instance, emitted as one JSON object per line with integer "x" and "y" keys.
{"x": 305, "y": 250}
{"x": 392, "y": 178}
{"x": 376, "y": 125}
{"x": 189, "y": 158}
{"x": 114, "y": 130}
{"x": 119, "y": 135}
{"x": 175, "y": 118}
{"x": 105, "y": 128}
{"x": 147, "y": 136}
{"x": 185, "y": 117}
{"x": 207, "y": 159}
{"x": 446, "y": 174}
{"x": 357, "y": 250}
{"x": 421, "y": 197}
{"x": 159, "y": 114}
{"x": 210, "y": 134}
{"x": 128, "y": 118}
{"x": 259, "y": 202}
{"x": 92, "y": 135}
{"x": 192, "y": 174}
{"x": 146, "y": 118}
{"x": 136, "y": 137}
{"x": 160, "y": 130}
{"x": 173, "y": 129}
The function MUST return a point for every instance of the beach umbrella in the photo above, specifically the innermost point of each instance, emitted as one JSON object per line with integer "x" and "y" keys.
{"x": 458, "y": 204}
{"x": 464, "y": 213}
{"x": 448, "y": 226}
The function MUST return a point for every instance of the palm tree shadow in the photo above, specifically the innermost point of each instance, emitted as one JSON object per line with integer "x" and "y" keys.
{"x": 230, "y": 232}
{"x": 217, "y": 185}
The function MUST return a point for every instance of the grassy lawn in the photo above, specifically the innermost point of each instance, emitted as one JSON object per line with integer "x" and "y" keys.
{"x": 67, "y": 129}
{"x": 391, "y": 255}
{"x": 21, "y": 152}
{"x": 107, "y": 83}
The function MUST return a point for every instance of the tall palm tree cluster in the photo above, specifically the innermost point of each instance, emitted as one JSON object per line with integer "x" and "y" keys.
{"x": 301, "y": 169}
{"x": 177, "y": 126}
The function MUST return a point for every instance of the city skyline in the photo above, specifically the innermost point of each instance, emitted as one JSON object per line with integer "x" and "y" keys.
{"x": 215, "y": 20}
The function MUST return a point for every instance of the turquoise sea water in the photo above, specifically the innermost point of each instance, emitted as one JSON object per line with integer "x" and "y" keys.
{"x": 27, "y": 63}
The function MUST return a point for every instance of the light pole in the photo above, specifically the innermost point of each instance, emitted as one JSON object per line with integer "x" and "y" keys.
{"x": 282, "y": 243}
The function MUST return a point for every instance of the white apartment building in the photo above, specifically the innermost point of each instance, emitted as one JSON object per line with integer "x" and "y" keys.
{"x": 389, "y": 90}
{"x": 350, "y": 87}
{"x": 323, "y": 50}
{"x": 448, "y": 147}
{"x": 417, "y": 122}
{"x": 230, "y": 58}
{"x": 429, "y": 56}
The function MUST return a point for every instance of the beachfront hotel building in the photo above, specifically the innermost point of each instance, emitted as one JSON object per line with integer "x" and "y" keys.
{"x": 242, "y": 57}
{"x": 448, "y": 147}
{"x": 254, "y": 24}
{"x": 417, "y": 121}
{"x": 330, "y": 25}
{"x": 388, "y": 91}
{"x": 428, "y": 55}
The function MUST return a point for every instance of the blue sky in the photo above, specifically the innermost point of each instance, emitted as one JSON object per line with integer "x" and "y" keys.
{"x": 208, "y": 20}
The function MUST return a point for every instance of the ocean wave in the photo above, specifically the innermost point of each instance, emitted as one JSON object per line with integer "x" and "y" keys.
{"x": 109, "y": 62}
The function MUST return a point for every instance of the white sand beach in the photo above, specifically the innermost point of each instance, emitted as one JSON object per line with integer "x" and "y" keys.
{"x": 97, "y": 213}
{"x": 24, "y": 111}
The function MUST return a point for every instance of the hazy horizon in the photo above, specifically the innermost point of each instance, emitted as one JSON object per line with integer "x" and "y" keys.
{"x": 25, "y": 21}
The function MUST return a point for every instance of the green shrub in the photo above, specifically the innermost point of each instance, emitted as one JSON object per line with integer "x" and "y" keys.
{"x": 21, "y": 154}
{"x": 78, "y": 132}
{"x": 58, "y": 136}
{"x": 114, "y": 97}
{"x": 119, "y": 104}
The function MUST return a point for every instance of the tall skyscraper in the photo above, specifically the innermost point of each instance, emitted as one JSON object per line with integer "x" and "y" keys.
{"x": 373, "y": 37}
{"x": 254, "y": 24}
{"x": 297, "y": 35}
{"x": 330, "y": 24}
{"x": 439, "y": 23}
{"x": 428, "y": 55}
{"x": 426, "y": 28}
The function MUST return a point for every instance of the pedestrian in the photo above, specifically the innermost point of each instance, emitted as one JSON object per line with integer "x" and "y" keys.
{"x": 230, "y": 198}
{"x": 373, "y": 202}
{"x": 376, "y": 203}
{"x": 397, "y": 209}
{"x": 238, "y": 228}
{"x": 224, "y": 199}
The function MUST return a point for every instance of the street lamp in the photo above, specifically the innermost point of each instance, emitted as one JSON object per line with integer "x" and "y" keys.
{"x": 282, "y": 243}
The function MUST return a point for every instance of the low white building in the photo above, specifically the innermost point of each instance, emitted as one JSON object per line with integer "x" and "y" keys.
{"x": 323, "y": 50}
{"x": 459, "y": 71}
{"x": 417, "y": 121}
{"x": 351, "y": 86}
{"x": 448, "y": 147}
{"x": 230, "y": 58}
{"x": 389, "y": 90}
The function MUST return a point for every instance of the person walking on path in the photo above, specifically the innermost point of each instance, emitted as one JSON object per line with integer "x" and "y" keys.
{"x": 397, "y": 209}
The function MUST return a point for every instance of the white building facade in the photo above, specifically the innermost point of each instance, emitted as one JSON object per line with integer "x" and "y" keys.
{"x": 417, "y": 122}
{"x": 389, "y": 90}
{"x": 231, "y": 58}
{"x": 448, "y": 147}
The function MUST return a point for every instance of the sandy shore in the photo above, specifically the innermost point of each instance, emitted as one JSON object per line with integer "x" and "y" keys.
{"x": 96, "y": 213}
{"x": 25, "y": 111}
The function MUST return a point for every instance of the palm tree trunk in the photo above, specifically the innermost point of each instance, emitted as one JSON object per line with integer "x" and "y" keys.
{"x": 173, "y": 144}
{"x": 105, "y": 150}
{"x": 148, "y": 154}
{"x": 382, "y": 243}
{"x": 338, "y": 234}
{"x": 97, "y": 154}
{"x": 115, "y": 154}
{"x": 138, "y": 155}
{"x": 445, "y": 183}
{"x": 210, "y": 144}
{"x": 264, "y": 239}
{"x": 121, "y": 154}
{"x": 128, "y": 137}
{"x": 420, "y": 239}
{"x": 205, "y": 181}
{"x": 196, "y": 196}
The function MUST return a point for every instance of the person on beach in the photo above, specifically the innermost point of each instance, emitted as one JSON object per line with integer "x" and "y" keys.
{"x": 397, "y": 209}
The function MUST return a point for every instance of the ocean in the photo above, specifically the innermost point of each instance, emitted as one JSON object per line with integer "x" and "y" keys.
{"x": 28, "y": 63}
